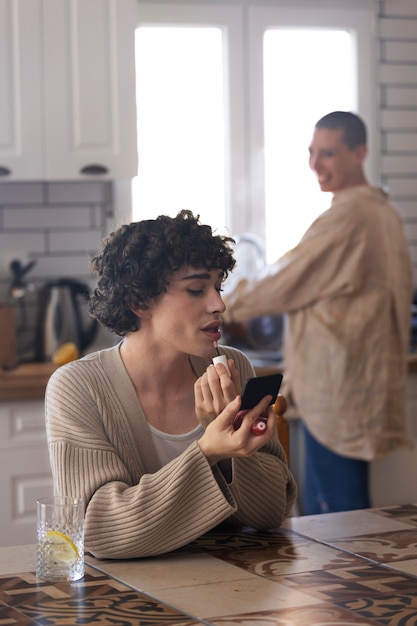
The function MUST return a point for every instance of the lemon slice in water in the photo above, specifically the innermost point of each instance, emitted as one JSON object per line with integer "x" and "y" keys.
{"x": 63, "y": 548}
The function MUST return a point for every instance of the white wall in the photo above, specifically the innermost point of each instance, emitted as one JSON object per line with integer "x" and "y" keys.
{"x": 396, "y": 82}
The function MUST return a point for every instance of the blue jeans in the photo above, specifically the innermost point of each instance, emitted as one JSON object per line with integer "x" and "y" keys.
{"x": 332, "y": 482}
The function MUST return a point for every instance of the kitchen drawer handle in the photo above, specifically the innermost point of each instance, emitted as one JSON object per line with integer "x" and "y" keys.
{"x": 4, "y": 171}
{"x": 96, "y": 170}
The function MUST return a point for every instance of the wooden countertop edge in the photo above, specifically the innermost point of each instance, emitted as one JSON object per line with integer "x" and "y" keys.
{"x": 264, "y": 370}
{"x": 28, "y": 381}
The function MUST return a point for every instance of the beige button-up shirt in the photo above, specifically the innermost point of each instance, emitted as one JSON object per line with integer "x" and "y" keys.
{"x": 347, "y": 289}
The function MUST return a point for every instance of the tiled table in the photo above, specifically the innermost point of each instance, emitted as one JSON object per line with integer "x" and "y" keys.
{"x": 357, "y": 567}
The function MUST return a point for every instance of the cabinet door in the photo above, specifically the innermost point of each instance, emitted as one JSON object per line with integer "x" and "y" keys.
{"x": 393, "y": 477}
{"x": 21, "y": 90}
{"x": 90, "y": 100}
{"x": 25, "y": 474}
{"x": 25, "y": 478}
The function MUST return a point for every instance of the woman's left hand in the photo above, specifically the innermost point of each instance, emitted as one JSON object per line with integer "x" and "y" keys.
{"x": 214, "y": 390}
{"x": 221, "y": 440}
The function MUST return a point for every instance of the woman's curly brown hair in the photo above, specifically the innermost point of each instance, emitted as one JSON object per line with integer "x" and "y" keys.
{"x": 138, "y": 260}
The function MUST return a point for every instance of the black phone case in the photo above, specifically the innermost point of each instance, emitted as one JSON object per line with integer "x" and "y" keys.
{"x": 256, "y": 388}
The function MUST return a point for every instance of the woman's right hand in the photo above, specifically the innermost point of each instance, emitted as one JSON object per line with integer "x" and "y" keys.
{"x": 214, "y": 390}
{"x": 221, "y": 440}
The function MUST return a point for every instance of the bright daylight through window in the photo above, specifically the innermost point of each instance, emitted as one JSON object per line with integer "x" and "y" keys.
{"x": 180, "y": 104}
{"x": 183, "y": 114}
{"x": 302, "y": 82}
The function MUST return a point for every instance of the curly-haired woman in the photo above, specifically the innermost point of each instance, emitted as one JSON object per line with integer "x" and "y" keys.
{"x": 143, "y": 431}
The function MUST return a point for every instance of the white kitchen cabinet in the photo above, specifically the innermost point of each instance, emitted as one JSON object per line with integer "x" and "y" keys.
{"x": 394, "y": 478}
{"x": 67, "y": 68}
{"x": 25, "y": 473}
{"x": 21, "y": 119}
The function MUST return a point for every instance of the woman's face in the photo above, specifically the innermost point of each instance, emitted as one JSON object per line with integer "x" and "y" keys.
{"x": 187, "y": 317}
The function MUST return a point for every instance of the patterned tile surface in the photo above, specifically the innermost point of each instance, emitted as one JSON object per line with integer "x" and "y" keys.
{"x": 385, "y": 547}
{"x": 280, "y": 578}
{"x": 405, "y": 512}
{"x": 335, "y": 526}
{"x": 325, "y": 615}
{"x": 97, "y": 599}
{"x": 391, "y": 610}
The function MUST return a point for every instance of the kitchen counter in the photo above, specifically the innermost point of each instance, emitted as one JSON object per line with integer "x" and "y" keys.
{"x": 262, "y": 368}
{"x": 28, "y": 381}
{"x": 357, "y": 567}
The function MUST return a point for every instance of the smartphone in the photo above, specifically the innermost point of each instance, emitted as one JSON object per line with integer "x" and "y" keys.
{"x": 256, "y": 388}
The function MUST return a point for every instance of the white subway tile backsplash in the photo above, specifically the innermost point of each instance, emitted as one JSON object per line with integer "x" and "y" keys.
{"x": 398, "y": 117}
{"x": 400, "y": 51}
{"x": 401, "y": 187}
{"x": 77, "y": 192}
{"x": 401, "y": 97}
{"x": 397, "y": 28}
{"x": 76, "y": 240}
{"x": 98, "y": 215}
{"x": 21, "y": 244}
{"x": 407, "y": 209}
{"x": 396, "y": 120}
{"x": 65, "y": 266}
{"x": 59, "y": 224}
{"x": 401, "y": 142}
{"x": 45, "y": 218}
{"x": 21, "y": 193}
{"x": 396, "y": 74}
{"x": 399, "y": 164}
{"x": 399, "y": 8}
{"x": 412, "y": 231}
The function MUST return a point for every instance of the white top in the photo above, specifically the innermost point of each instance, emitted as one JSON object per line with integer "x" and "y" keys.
{"x": 169, "y": 446}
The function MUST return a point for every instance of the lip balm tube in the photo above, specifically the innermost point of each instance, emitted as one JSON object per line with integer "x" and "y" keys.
{"x": 221, "y": 358}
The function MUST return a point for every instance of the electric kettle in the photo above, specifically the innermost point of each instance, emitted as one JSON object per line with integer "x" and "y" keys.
{"x": 63, "y": 317}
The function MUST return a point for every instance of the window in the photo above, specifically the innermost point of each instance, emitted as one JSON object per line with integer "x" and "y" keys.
{"x": 234, "y": 109}
{"x": 296, "y": 95}
{"x": 180, "y": 103}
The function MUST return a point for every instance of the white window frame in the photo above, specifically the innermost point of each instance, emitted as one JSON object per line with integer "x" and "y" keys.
{"x": 243, "y": 24}
{"x": 358, "y": 21}
{"x": 229, "y": 20}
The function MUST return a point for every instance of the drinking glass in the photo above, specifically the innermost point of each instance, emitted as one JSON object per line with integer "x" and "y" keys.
{"x": 60, "y": 546}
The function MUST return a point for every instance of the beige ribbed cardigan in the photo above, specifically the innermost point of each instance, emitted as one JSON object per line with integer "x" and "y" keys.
{"x": 135, "y": 507}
